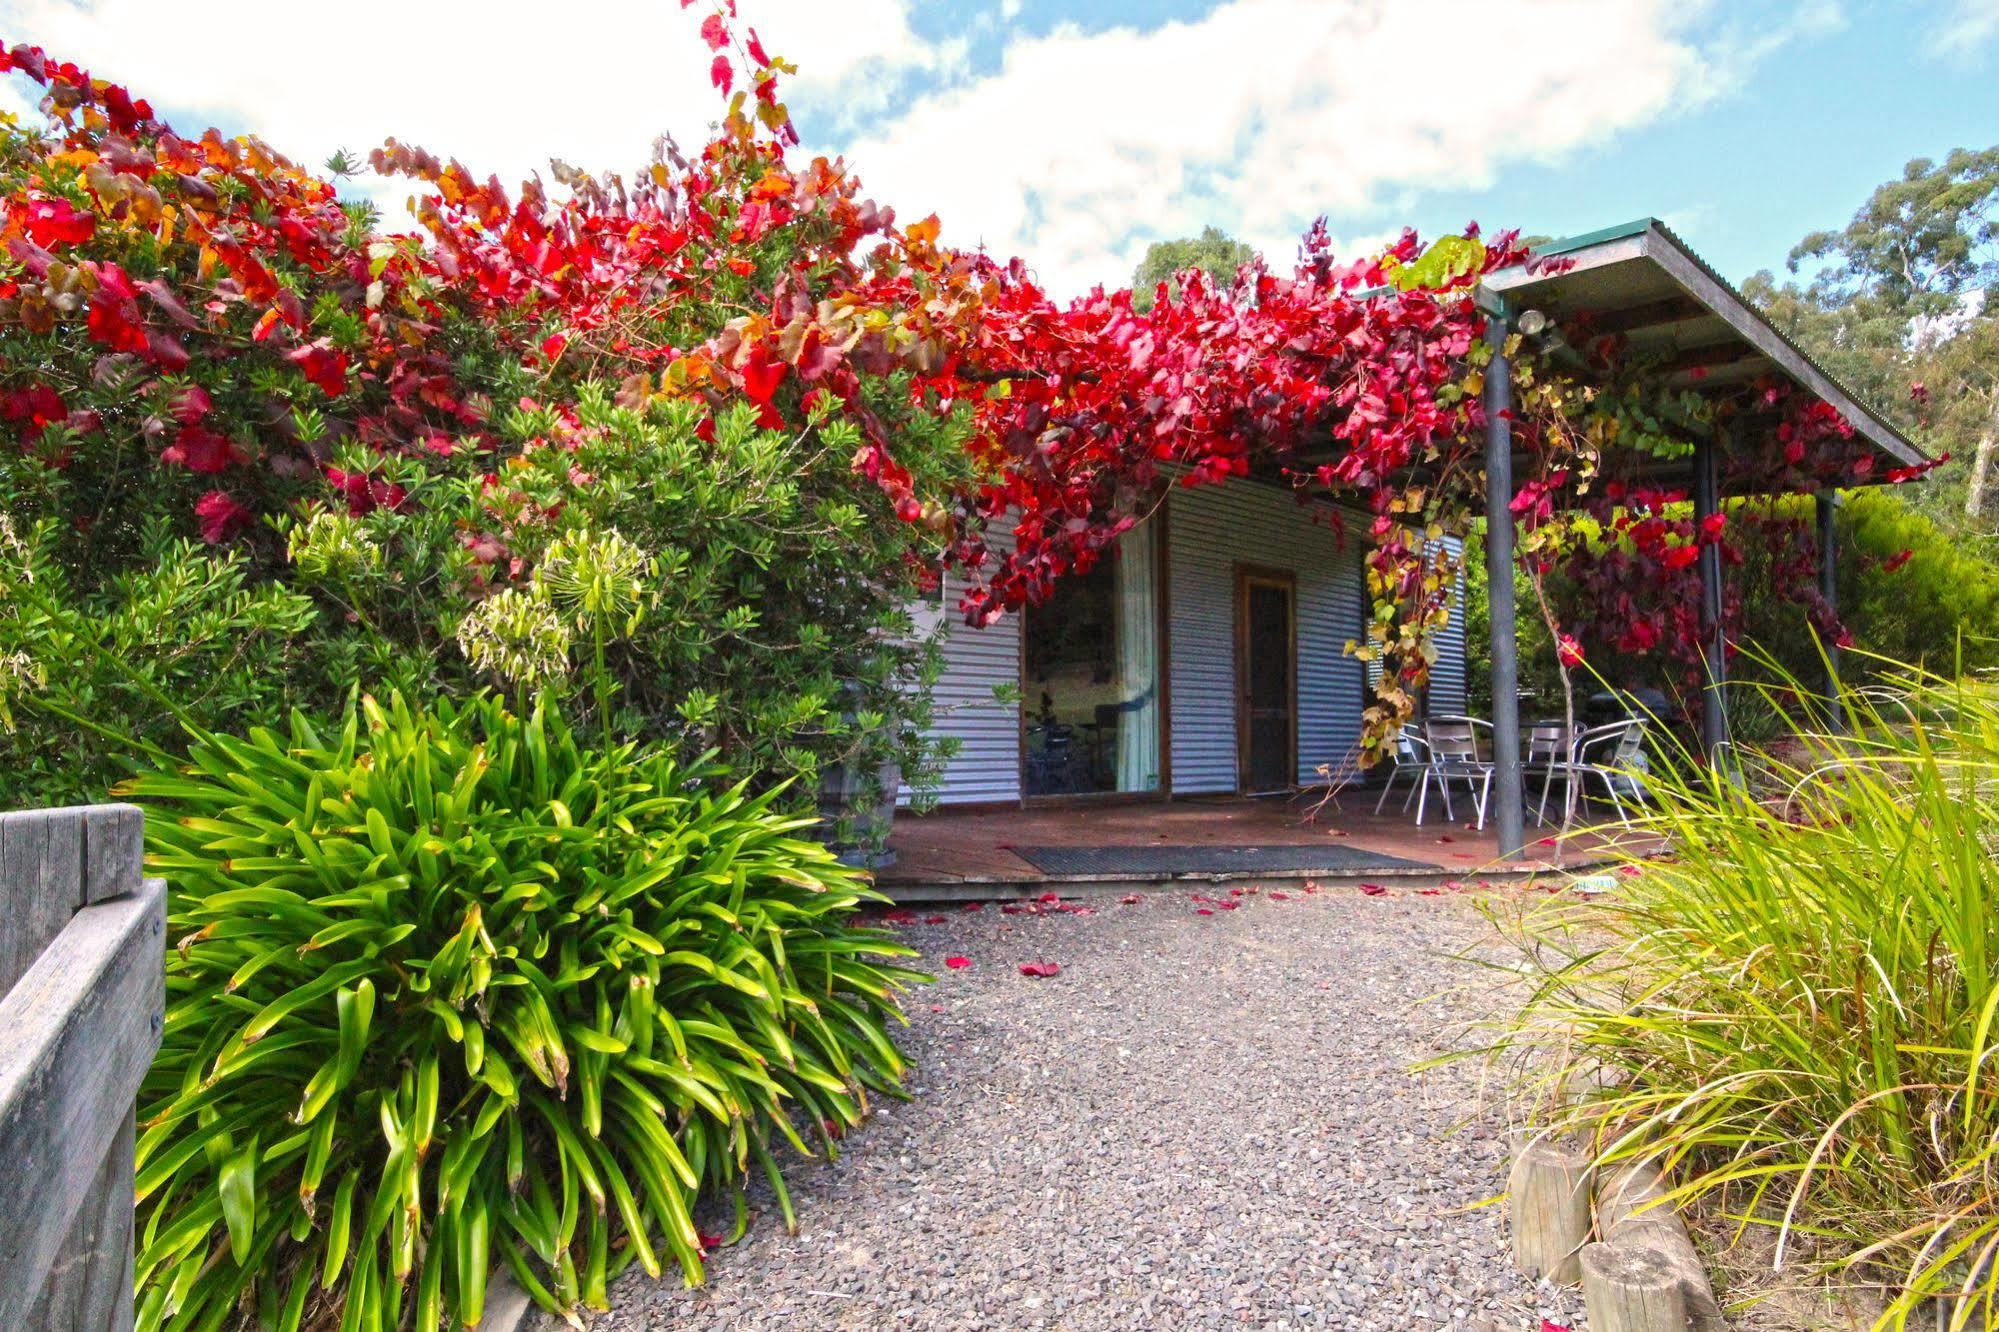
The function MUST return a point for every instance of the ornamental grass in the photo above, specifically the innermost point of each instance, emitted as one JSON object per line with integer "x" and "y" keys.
{"x": 450, "y": 993}
{"x": 1796, "y": 1015}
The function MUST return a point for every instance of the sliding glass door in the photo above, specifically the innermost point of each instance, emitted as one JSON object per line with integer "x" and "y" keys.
{"x": 1092, "y": 677}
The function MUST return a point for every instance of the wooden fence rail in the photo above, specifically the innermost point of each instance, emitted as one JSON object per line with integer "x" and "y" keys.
{"x": 82, "y": 996}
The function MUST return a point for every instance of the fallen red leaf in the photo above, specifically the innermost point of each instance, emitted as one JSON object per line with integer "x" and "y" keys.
{"x": 975, "y": 906}
{"x": 898, "y": 917}
{"x": 1430, "y": 892}
{"x": 1203, "y": 911}
{"x": 1040, "y": 969}
{"x": 708, "y": 1241}
{"x": 1447, "y": 838}
{"x": 1373, "y": 889}
{"x": 957, "y": 963}
{"x": 1130, "y": 899}
{"x": 1276, "y": 896}
{"x": 933, "y": 920}
{"x": 1051, "y": 897}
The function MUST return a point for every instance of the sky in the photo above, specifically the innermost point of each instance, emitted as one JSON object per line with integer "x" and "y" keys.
{"x": 1075, "y": 132}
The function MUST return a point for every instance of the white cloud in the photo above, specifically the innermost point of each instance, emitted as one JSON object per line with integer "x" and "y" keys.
{"x": 1075, "y": 150}
{"x": 1083, "y": 147}
{"x": 503, "y": 85}
{"x": 1966, "y": 25}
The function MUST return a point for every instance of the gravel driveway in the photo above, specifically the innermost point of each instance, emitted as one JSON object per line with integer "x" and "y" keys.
{"x": 1203, "y": 1121}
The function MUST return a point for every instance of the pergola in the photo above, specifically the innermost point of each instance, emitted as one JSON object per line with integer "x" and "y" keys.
{"x": 1641, "y": 282}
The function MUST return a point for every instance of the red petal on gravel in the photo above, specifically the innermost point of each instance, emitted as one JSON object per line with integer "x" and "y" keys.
{"x": 975, "y": 906}
{"x": 1051, "y": 897}
{"x": 933, "y": 920}
{"x": 957, "y": 963}
{"x": 1130, "y": 899}
{"x": 1430, "y": 892}
{"x": 1447, "y": 838}
{"x": 1631, "y": 871}
{"x": 1203, "y": 911}
{"x": 898, "y": 917}
{"x": 708, "y": 1241}
{"x": 1276, "y": 896}
{"x": 1547, "y": 1326}
{"x": 1040, "y": 969}
{"x": 1229, "y": 905}
{"x": 1373, "y": 889}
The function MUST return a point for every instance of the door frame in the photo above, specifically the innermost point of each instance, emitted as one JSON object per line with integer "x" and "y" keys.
{"x": 1246, "y": 577}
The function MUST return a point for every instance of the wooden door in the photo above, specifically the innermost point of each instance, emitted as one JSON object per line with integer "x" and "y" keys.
{"x": 1266, "y": 680}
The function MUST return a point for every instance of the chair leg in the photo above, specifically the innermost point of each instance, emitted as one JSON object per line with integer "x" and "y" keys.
{"x": 1547, "y": 785}
{"x": 1422, "y": 797}
{"x": 1484, "y": 798}
{"x": 1444, "y": 785}
{"x": 1386, "y": 787}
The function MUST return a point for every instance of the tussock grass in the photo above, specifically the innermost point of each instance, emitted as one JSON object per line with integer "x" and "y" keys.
{"x": 1797, "y": 1015}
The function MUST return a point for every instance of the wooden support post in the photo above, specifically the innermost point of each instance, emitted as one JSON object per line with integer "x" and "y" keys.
{"x": 1714, "y": 662}
{"x": 1828, "y": 504}
{"x": 1509, "y": 816}
{"x": 1548, "y": 1193}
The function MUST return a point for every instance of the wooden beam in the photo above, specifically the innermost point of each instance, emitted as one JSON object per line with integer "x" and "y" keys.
{"x": 1674, "y": 309}
{"x": 77, "y": 1031}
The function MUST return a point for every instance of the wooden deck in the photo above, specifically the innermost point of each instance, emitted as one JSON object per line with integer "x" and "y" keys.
{"x": 955, "y": 854}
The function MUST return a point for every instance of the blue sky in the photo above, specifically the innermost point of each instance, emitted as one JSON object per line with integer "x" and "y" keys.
{"x": 1075, "y": 133}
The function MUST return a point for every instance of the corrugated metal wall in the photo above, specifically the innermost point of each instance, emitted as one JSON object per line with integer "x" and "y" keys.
{"x": 1447, "y": 677}
{"x": 987, "y": 765}
{"x": 1210, "y": 530}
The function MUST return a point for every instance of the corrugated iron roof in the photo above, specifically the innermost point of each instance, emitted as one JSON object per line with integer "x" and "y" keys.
{"x": 1641, "y": 280}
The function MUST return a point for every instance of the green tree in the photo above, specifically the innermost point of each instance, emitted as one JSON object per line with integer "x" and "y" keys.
{"x": 1214, "y": 252}
{"x": 1896, "y": 305}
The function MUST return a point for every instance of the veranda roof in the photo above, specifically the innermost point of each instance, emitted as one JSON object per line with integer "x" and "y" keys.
{"x": 1643, "y": 283}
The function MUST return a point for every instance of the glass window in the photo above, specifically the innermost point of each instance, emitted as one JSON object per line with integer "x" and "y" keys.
{"x": 1092, "y": 662}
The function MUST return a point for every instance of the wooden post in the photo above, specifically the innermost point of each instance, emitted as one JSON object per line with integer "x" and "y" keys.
{"x": 82, "y": 994}
{"x": 1827, "y": 503}
{"x": 1631, "y": 1290}
{"x": 1714, "y": 661}
{"x": 1548, "y": 1192}
{"x": 1509, "y": 818}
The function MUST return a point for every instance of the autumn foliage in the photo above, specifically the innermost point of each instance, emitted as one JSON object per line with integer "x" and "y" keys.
{"x": 207, "y": 313}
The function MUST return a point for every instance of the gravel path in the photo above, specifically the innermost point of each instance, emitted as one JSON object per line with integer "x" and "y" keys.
{"x": 1204, "y": 1121}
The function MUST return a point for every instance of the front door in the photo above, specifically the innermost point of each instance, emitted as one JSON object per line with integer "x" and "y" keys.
{"x": 1267, "y": 680}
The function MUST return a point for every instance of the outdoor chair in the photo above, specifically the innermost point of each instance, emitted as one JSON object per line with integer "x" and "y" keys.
{"x": 1609, "y": 754}
{"x": 1412, "y": 760}
{"x": 1548, "y": 755}
{"x": 1455, "y": 757}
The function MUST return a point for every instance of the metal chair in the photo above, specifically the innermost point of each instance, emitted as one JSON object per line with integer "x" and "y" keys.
{"x": 1611, "y": 754}
{"x": 1455, "y": 757}
{"x": 1548, "y": 752}
{"x": 1412, "y": 758}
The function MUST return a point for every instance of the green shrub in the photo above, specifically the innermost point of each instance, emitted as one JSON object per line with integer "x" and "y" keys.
{"x": 1795, "y": 1014}
{"x": 83, "y": 670}
{"x": 449, "y": 990}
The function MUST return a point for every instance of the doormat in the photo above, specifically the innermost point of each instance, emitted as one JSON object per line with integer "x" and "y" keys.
{"x": 1168, "y": 861}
